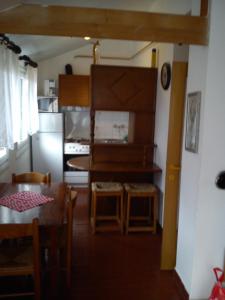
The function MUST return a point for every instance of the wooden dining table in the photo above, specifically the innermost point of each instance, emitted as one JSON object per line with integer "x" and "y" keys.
{"x": 51, "y": 214}
{"x": 81, "y": 163}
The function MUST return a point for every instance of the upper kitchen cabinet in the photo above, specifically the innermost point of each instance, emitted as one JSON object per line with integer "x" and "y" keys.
{"x": 74, "y": 90}
{"x": 121, "y": 88}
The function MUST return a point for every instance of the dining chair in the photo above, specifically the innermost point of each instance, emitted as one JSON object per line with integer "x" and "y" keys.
{"x": 19, "y": 260}
{"x": 68, "y": 245}
{"x": 64, "y": 237}
{"x": 31, "y": 177}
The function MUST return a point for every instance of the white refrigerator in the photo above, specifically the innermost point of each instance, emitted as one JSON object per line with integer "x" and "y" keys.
{"x": 47, "y": 146}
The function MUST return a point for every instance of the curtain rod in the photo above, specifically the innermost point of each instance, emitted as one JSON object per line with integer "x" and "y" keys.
{"x": 28, "y": 61}
{"x": 17, "y": 50}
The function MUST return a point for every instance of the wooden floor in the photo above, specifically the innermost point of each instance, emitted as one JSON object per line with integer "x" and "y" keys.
{"x": 109, "y": 266}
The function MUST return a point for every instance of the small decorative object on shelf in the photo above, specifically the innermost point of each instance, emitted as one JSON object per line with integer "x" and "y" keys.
{"x": 165, "y": 75}
{"x": 96, "y": 53}
{"x": 68, "y": 69}
{"x": 154, "y": 58}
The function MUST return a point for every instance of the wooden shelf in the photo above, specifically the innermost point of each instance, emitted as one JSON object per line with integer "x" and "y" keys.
{"x": 129, "y": 89}
{"x": 125, "y": 167}
{"x": 119, "y": 88}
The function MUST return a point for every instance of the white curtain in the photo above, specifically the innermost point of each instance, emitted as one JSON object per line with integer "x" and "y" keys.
{"x": 9, "y": 97}
{"x": 29, "y": 105}
{"x": 18, "y": 100}
{"x": 32, "y": 102}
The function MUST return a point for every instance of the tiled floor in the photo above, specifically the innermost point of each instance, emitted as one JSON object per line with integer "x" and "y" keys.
{"x": 109, "y": 266}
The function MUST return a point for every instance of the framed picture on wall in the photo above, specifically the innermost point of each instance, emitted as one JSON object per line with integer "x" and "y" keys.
{"x": 192, "y": 121}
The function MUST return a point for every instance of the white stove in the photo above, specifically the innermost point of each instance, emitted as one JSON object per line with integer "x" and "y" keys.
{"x": 76, "y": 148}
{"x": 72, "y": 149}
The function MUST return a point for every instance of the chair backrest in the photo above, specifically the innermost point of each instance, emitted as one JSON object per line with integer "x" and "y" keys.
{"x": 71, "y": 200}
{"x": 12, "y": 231}
{"x": 31, "y": 177}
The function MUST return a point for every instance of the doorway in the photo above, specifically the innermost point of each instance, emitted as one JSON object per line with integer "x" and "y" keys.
{"x": 174, "y": 151}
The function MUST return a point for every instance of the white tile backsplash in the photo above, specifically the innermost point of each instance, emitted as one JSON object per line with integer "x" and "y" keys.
{"x": 111, "y": 125}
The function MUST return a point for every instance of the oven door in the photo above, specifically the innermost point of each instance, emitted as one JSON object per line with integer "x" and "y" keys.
{"x": 74, "y": 176}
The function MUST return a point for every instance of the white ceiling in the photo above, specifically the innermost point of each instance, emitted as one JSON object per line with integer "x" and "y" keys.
{"x": 141, "y": 5}
{"x": 43, "y": 47}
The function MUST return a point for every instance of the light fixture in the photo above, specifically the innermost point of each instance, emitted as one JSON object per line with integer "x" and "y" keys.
{"x": 87, "y": 38}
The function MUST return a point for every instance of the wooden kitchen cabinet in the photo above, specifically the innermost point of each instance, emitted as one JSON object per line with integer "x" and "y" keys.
{"x": 120, "y": 88}
{"x": 74, "y": 90}
{"x": 129, "y": 89}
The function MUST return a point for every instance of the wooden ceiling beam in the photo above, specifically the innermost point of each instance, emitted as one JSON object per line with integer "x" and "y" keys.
{"x": 105, "y": 23}
{"x": 204, "y": 8}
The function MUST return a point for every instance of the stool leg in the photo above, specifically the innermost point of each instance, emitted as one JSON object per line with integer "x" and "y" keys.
{"x": 94, "y": 212}
{"x": 92, "y": 207}
{"x": 128, "y": 213}
{"x": 118, "y": 208}
{"x": 121, "y": 213}
{"x": 150, "y": 210}
{"x": 155, "y": 204}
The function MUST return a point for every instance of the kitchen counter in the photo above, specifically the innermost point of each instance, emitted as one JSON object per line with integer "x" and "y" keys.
{"x": 113, "y": 171}
{"x": 83, "y": 163}
{"x": 124, "y": 167}
{"x": 110, "y": 141}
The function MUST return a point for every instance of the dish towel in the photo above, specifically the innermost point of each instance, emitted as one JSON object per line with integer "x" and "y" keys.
{"x": 22, "y": 201}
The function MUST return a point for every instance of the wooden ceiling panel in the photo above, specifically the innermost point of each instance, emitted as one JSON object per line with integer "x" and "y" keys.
{"x": 104, "y": 23}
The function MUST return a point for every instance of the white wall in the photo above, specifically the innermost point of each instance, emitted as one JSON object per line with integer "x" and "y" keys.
{"x": 18, "y": 161}
{"x": 51, "y": 68}
{"x": 190, "y": 174}
{"x": 172, "y": 6}
{"x": 209, "y": 208}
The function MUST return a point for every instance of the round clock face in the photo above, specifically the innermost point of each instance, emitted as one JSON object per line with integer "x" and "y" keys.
{"x": 165, "y": 75}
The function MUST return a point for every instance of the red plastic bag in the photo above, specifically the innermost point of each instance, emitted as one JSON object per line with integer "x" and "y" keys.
{"x": 218, "y": 291}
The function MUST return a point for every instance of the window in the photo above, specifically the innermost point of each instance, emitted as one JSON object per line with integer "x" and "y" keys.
{"x": 3, "y": 152}
{"x": 19, "y": 108}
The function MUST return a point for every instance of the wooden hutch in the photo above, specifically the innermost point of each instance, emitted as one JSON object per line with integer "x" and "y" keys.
{"x": 133, "y": 90}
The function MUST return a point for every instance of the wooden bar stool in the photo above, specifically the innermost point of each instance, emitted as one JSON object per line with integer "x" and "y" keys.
{"x": 141, "y": 190}
{"x": 107, "y": 189}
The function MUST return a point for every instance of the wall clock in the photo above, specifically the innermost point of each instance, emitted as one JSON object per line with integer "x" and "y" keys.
{"x": 165, "y": 75}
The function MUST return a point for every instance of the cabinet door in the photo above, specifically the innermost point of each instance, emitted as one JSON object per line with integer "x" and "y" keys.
{"x": 74, "y": 90}
{"x": 122, "y": 88}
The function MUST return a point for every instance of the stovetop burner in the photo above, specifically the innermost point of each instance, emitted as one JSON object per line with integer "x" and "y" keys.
{"x": 77, "y": 146}
{"x": 81, "y": 141}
